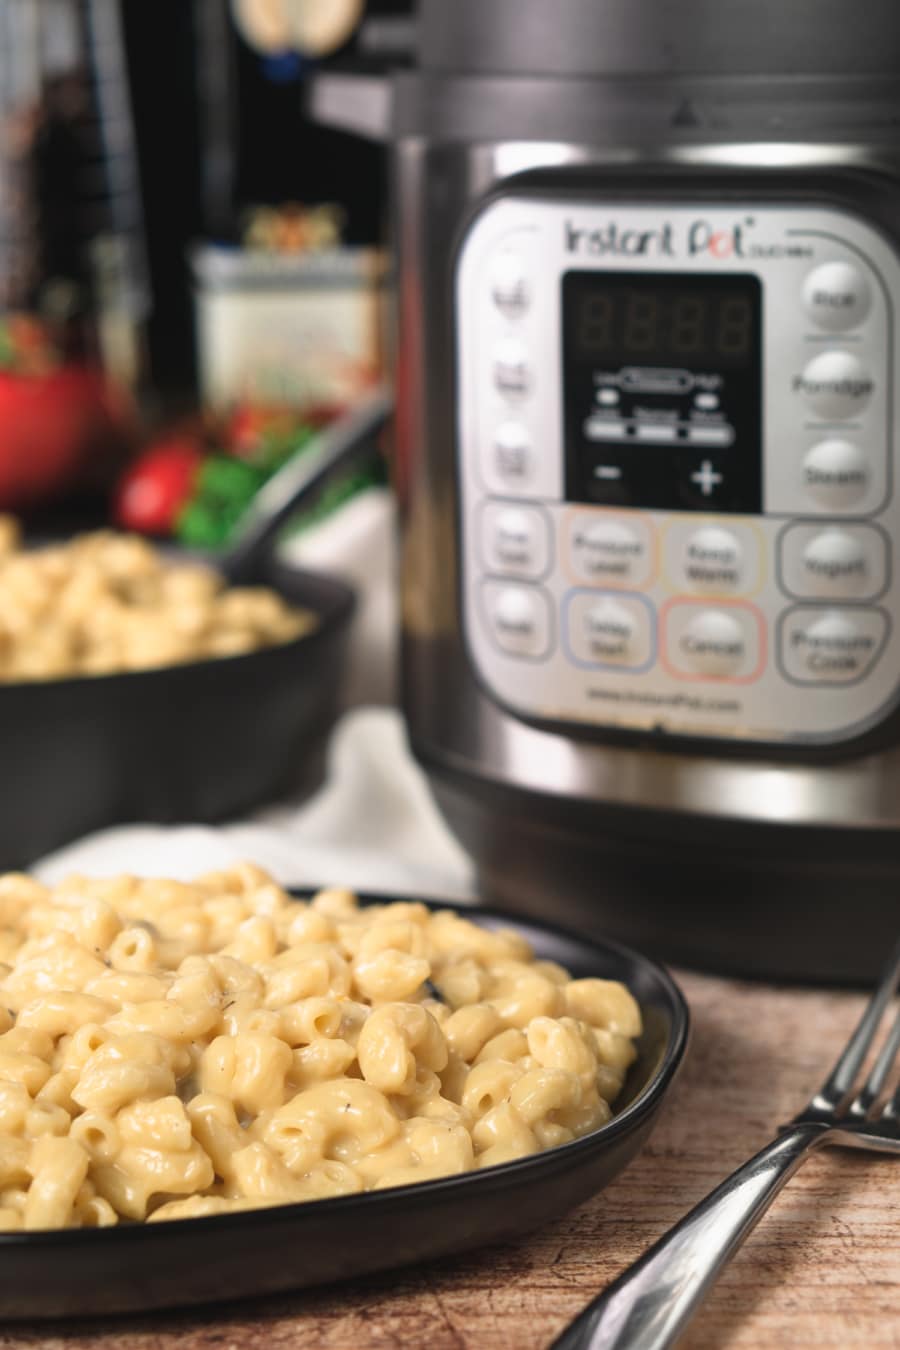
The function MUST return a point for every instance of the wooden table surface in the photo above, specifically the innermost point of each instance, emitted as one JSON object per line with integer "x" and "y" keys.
{"x": 822, "y": 1269}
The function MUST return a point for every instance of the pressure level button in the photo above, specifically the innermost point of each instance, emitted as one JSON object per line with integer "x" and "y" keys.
{"x": 836, "y": 297}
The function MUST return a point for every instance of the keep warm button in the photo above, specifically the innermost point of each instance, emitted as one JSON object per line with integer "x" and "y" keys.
{"x": 832, "y": 646}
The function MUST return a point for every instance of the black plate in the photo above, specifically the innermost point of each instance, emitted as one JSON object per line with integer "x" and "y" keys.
{"x": 126, "y": 1269}
{"x": 195, "y": 742}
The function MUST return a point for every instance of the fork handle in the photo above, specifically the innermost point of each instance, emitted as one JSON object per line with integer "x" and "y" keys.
{"x": 651, "y": 1303}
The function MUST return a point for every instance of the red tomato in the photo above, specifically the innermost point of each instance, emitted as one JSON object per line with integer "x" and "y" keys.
{"x": 49, "y": 426}
{"x": 153, "y": 491}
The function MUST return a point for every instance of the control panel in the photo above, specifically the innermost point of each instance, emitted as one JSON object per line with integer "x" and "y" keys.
{"x": 676, "y": 463}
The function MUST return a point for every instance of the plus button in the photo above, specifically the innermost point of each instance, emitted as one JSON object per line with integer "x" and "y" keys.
{"x": 706, "y": 478}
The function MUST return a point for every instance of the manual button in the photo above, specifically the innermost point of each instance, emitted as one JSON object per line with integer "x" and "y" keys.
{"x": 831, "y": 647}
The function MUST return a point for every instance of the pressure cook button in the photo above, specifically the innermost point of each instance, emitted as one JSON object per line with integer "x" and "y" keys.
{"x": 836, "y": 473}
{"x": 834, "y": 647}
{"x": 512, "y": 375}
{"x": 611, "y": 551}
{"x": 519, "y": 618}
{"x": 836, "y": 385}
{"x": 510, "y": 290}
{"x": 713, "y": 560}
{"x": 515, "y": 539}
{"x": 713, "y": 643}
{"x": 836, "y": 297}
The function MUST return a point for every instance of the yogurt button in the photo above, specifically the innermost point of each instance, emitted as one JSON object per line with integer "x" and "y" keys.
{"x": 712, "y": 559}
{"x": 836, "y": 297}
{"x": 713, "y": 643}
{"x": 836, "y": 473}
{"x": 836, "y": 385}
{"x": 835, "y": 562}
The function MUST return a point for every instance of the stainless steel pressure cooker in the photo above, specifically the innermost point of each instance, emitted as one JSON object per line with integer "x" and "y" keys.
{"x": 647, "y": 452}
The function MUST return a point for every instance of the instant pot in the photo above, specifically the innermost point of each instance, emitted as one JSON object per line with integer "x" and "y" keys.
{"x": 647, "y": 384}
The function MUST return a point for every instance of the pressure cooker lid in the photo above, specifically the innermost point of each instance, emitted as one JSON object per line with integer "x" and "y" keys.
{"x": 643, "y": 37}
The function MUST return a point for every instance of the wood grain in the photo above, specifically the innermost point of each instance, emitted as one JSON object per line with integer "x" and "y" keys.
{"x": 823, "y": 1268}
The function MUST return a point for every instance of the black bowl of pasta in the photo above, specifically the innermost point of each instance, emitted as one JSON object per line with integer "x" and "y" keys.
{"x": 193, "y": 1260}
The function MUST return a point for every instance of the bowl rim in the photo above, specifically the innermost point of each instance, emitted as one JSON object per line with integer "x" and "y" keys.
{"x": 559, "y": 1157}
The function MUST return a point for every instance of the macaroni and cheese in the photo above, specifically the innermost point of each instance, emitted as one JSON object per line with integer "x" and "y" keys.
{"x": 170, "y": 1050}
{"x": 108, "y": 602}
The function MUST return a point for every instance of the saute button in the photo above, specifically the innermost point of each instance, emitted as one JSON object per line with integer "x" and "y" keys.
{"x": 713, "y": 560}
{"x": 519, "y": 618}
{"x": 713, "y": 643}
{"x": 510, "y": 290}
{"x": 836, "y": 473}
{"x": 515, "y": 539}
{"x": 834, "y": 647}
{"x": 512, "y": 374}
{"x": 836, "y": 385}
{"x": 610, "y": 631}
{"x": 836, "y": 296}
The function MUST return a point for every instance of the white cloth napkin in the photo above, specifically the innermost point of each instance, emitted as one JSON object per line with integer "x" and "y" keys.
{"x": 372, "y": 826}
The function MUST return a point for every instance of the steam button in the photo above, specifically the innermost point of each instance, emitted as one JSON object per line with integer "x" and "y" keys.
{"x": 836, "y": 473}
{"x": 836, "y": 385}
{"x": 837, "y": 297}
{"x": 510, "y": 290}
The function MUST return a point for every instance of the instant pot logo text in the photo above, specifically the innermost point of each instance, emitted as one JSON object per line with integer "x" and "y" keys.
{"x": 692, "y": 239}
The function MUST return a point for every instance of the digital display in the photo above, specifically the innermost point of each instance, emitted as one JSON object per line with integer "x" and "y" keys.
{"x": 618, "y": 319}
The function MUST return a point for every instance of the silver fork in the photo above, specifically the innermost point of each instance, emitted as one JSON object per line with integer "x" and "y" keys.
{"x": 649, "y": 1306}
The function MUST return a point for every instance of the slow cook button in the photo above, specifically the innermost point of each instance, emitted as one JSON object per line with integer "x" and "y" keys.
{"x": 610, "y": 551}
{"x": 713, "y": 560}
{"x": 610, "y": 631}
{"x": 836, "y": 385}
{"x": 711, "y": 642}
{"x": 834, "y": 647}
{"x": 518, "y": 618}
{"x": 515, "y": 539}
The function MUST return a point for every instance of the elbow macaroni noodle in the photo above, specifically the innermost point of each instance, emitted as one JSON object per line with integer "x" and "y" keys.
{"x": 170, "y": 1050}
{"x": 105, "y": 603}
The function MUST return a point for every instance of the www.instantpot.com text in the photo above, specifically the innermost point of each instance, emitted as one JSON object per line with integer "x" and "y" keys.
{"x": 645, "y": 697}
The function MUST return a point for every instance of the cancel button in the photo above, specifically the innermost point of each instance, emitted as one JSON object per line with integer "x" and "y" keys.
{"x": 831, "y": 647}
{"x": 713, "y": 643}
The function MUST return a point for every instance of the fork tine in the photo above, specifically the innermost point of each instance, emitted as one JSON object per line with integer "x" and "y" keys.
{"x": 843, "y": 1075}
{"x": 868, "y": 1095}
